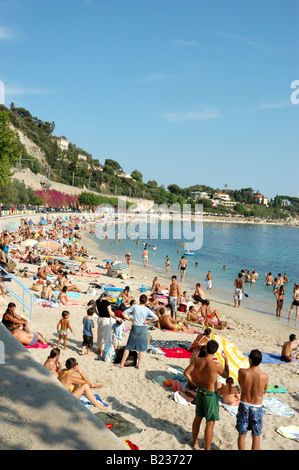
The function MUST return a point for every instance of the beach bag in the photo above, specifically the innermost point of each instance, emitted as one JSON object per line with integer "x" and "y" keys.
{"x": 110, "y": 354}
{"x": 36, "y": 287}
{"x": 131, "y": 360}
{"x": 9, "y": 266}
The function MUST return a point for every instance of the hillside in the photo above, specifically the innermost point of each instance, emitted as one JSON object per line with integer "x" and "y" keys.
{"x": 74, "y": 170}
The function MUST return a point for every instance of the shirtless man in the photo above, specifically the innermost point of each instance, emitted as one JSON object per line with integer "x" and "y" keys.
{"x": 183, "y": 265}
{"x": 174, "y": 296}
{"x": 166, "y": 321}
{"x": 254, "y": 276}
{"x": 202, "y": 373}
{"x": 199, "y": 294}
{"x": 287, "y": 349}
{"x": 269, "y": 279}
{"x": 28, "y": 339}
{"x": 209, "y": 278}
{"x": 43, "y": 271}
{"x": 254, "y": 384}
{"x": 53, "y": 363}
{"x": 239, "y": 290}
{"x": 145, "y": 256}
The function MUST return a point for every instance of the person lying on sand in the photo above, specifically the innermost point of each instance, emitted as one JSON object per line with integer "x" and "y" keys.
{"x": 28, "y": 339}
{"x": 166, "y": 321}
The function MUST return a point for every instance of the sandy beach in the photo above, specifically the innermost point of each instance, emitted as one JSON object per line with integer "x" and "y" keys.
{"x": 149, "y": 405}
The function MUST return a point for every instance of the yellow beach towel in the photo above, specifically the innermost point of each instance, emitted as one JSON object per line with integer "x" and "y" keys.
{"x": 236, "y": 358}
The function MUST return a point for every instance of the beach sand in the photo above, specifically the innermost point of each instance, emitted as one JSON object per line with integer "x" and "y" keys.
{"x": 166, "y": 424}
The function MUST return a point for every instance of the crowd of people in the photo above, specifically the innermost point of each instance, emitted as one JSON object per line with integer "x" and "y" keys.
{"x": 167, "y": 307}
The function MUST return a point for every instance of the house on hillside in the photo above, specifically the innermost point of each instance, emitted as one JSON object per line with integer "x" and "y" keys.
{"x": 260, "y": 199}
{"x": 223, "y": 199}
{"x": 63, "y": 143}
{"x": 199, "y": 195}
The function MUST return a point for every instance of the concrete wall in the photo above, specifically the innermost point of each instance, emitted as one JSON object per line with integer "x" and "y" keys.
{"x": 38, "y": 413}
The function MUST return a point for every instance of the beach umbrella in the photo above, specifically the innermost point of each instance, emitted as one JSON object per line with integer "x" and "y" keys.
{"x": 236, "y": 358}
{"x": 50, "y": 244}
{"x": 29, "y": 242}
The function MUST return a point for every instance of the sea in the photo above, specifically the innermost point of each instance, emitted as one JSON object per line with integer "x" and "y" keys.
{"x": 237, "y": 246}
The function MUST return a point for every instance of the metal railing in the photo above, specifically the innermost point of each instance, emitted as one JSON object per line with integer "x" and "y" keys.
{"x": 22, "y": 299}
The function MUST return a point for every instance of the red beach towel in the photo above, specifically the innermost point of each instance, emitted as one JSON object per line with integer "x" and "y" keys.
{"x": 177, "y": 353}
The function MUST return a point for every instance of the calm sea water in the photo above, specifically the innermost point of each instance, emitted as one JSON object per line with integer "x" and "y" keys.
{"x": 266, "y": 248}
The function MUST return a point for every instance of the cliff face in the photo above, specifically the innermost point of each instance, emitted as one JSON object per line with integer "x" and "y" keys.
{"x": 31, "y": 147}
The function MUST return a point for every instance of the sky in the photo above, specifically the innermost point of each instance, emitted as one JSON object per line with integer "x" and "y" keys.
{"x": 186, "y": 91}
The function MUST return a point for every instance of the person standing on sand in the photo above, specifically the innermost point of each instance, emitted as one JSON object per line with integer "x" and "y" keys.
{"x": 183, "y": 265}
{"x": 295, "y": 303}
{"x": 174, "y": 296}
{"x": 239, "y": 290}
{"x": 254, "y": 384}
{"x": 202, "y": 373}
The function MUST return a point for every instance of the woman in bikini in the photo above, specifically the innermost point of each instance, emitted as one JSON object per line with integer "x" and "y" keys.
{"x": 279, "y": 294}
{"x": 73, "y": 379}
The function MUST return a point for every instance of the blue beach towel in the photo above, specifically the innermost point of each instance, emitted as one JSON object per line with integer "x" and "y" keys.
{"x": 270, "y": 358}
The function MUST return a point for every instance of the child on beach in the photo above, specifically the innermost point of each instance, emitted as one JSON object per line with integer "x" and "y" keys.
{"x": 62, "y": 328}
{"x": 117, "y": 334}
{"x": 88, "y": 332}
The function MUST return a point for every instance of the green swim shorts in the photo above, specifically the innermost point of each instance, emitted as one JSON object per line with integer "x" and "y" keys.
{"x": 207, "y": 404}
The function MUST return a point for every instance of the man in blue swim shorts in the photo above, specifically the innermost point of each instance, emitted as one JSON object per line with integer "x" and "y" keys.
{"x": 254, "y": 384}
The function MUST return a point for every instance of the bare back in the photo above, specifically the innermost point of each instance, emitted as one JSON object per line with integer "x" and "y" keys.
{"x": 204, "y": 371}
{"x": 254, "y": 384}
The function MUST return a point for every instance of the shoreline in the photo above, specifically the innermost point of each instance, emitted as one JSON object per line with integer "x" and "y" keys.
{"x": 133, "y": 394}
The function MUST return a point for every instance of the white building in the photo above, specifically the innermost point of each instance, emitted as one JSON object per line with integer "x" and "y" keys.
{"x": 260, "y": 199}
{"x": 221, "y": 196}
{"x": 63, "y": 143}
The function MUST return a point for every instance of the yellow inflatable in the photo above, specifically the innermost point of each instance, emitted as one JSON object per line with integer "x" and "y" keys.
{"x": 236, "y": 358}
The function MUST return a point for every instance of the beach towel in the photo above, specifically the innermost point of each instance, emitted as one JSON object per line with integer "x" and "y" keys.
{"x": 117, "y": 424}
{"x": 170, "y": 344}
{"x": 38, "y": 345}
{"x": 178, "y": 398}
{"x": 274, "y": 406}
{"x": 271, "y": 406}
{"x": 236, "y": 358}
{"x": 291, "y": 432}
{"x": 88, "y": 403}
{"x": 180, "y": 353}
{"x": 69, "y": 294}
{"x": 270, "y": 358}
{"x": 276, "y": 389}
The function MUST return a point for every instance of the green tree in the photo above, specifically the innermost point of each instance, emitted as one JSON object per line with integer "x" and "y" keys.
{"x": 137, "y": 176}
{"x": 9, "y": 151}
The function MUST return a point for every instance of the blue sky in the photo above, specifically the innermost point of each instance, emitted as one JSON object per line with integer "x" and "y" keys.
{"x": 186, "y": 91}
